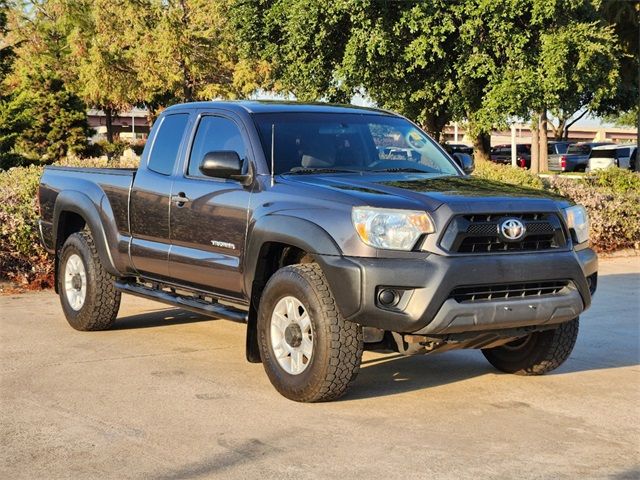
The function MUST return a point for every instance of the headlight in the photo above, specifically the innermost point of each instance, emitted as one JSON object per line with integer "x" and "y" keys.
{"x": 578, "y": 222}
{"x": 391, "y": 229}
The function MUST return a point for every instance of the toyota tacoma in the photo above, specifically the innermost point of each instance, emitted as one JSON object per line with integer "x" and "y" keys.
{"x": 327, "y": 230}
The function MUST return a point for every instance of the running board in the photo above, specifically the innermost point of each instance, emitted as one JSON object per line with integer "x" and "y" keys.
{"x": 215, "y": 310}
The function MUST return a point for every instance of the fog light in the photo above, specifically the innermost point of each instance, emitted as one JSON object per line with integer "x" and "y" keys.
{"x": 388, "y": 297}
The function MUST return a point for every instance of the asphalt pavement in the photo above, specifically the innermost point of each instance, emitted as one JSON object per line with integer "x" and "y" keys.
{"x": 167, "y": 394}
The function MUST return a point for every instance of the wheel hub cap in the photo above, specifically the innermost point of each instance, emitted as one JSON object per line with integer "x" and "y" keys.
{"x": 291, "y": 335}
{"x": 75, "y": 282}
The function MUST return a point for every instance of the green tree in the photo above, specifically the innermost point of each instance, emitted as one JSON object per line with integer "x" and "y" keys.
{"x": 101, "y": 56}
{"x": 186, "y": 50}
{"x": 625, "y": 19}
{"x": 6, "y": 50}
{"x": 321, "y": 50}
{"x": 481, "y": 61}
{"x": 13, "y": 119}
{"x": 302, "y": 41}
{"x": 564, "y": 61}
{"x": 40, "y": 80}
{"x": 404, "y": 56}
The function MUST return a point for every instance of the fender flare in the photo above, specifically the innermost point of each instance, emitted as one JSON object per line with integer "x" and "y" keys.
{"x": 294, "y": 231}
{"x": 278, "y": 228}
{"x": 81, "y": 204}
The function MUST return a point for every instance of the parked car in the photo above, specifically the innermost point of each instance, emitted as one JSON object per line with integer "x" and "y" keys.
{"x": 452, "y": 148}
{"x": 633, "y": 160}
{"x": 502, "y": 154}
{"x": 576, "y": 159}
{"x": 556, "y": 147}
{"x": 326, "y": 230}
{"x": 611, "y": 156}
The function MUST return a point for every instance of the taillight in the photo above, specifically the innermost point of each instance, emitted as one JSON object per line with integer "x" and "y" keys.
{"x": 563, "y": 162}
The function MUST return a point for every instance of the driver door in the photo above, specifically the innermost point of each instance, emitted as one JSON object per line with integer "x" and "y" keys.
{"x": 208, "y": 216}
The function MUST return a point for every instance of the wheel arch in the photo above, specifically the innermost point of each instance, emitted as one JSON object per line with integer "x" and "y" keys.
{"x": 276, "y": 241}
{"x": 75, "y": 211}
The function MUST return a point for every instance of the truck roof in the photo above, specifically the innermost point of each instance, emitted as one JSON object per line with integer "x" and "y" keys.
{"x": 615, "y": 146}
{"x": 271, "y": 106}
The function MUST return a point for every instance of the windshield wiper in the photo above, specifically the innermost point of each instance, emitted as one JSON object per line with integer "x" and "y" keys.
{"x": 305, "y": 171}
{"x": 401, "y": 169}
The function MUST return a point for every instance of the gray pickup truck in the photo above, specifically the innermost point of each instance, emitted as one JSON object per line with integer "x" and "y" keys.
{"x": 327, "y": 230}
{"x": 576, "y": 159}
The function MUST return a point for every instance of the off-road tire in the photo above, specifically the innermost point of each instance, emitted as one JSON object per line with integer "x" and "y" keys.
{"x": 538, "y": 353}
{"x": 102, "y": 300}
{"x": 337, "y": 343}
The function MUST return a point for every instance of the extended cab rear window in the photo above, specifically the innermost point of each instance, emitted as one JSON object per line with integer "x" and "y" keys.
{"x": 603, "y": 153}
{"x": 581, "y": 149}
{"x": 167, "y": 143}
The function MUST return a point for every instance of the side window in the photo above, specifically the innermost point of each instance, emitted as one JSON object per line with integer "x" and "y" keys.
{"x": 167, "y": 143}
{"x": 215, "y": 134}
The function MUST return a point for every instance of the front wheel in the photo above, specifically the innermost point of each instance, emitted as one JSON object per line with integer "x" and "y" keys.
{"x": 309, "y": 352}
{"x": 537, "y": 353}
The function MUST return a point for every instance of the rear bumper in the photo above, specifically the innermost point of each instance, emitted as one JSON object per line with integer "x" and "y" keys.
{"x": 601, "y": 163}
{"x": 426, "y": 285}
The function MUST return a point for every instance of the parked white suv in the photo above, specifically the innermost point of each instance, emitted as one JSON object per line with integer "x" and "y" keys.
{"x": 607, "y": 156}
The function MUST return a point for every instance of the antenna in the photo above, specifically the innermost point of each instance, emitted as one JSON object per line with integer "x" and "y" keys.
{"x": 273, "y": 147}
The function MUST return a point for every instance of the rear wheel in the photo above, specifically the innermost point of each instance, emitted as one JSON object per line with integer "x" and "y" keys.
{"x": 87, "y": 292}
{"x": 310, "y": 353}
{"x": 537, "y": 353}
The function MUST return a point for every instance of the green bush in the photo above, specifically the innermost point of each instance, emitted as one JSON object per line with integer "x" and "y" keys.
{"x": 113, "y": 151}
{"x": 507, "y": 174}
{"x": 617, "y": 180}
{"x": 22, "y": 257}
{"x": 611, "y": 196}
{"x": 99, "y": 162}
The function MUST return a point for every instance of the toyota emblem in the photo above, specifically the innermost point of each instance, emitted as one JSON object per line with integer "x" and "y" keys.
{"x": 512, "y": 229}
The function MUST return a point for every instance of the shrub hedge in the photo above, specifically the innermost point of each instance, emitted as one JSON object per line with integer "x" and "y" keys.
{"x": 612, "y": 198}
{"x": 22, "y": 259}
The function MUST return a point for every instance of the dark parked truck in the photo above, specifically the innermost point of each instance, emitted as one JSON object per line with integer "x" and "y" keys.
{"x": 327, "y": 230}
{"x": 576, "y": 158}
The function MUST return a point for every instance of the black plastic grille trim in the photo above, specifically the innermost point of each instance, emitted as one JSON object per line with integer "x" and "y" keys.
{"x": 478, "y": 233}
{"x": 477, "y": 293}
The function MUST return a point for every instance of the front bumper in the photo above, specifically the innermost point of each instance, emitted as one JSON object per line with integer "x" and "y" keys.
{"x": 428, "y": 282}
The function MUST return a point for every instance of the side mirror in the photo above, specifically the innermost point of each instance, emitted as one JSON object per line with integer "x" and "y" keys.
{"x": 465, "y": 161}
{"x": 221, "y": 164}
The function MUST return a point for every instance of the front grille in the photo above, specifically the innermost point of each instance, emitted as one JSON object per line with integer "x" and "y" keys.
{"x": 479, "y": 233}
{"x": 477, "y": 293}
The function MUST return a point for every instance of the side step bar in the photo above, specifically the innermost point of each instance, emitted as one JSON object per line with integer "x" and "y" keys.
{"x": 215, "y": 310}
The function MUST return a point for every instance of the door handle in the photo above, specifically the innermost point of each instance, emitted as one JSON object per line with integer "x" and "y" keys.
{"x": 180, "y": 199}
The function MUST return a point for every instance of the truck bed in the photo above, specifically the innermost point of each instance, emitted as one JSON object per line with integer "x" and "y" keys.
{"x": 107, "y": 188}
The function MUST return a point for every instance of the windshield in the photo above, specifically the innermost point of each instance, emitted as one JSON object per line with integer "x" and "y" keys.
{"x": 334, "y": 143}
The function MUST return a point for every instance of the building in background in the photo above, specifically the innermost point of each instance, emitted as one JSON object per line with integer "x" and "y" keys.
{"x": 128, "y": 126}
{"x": 577, "y": 133}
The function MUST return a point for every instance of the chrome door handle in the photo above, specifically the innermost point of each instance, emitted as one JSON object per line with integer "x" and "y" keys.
{"x": 180, "y": 199}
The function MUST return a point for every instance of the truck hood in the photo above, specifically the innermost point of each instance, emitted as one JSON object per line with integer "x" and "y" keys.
{"x": 425, "y": 191}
